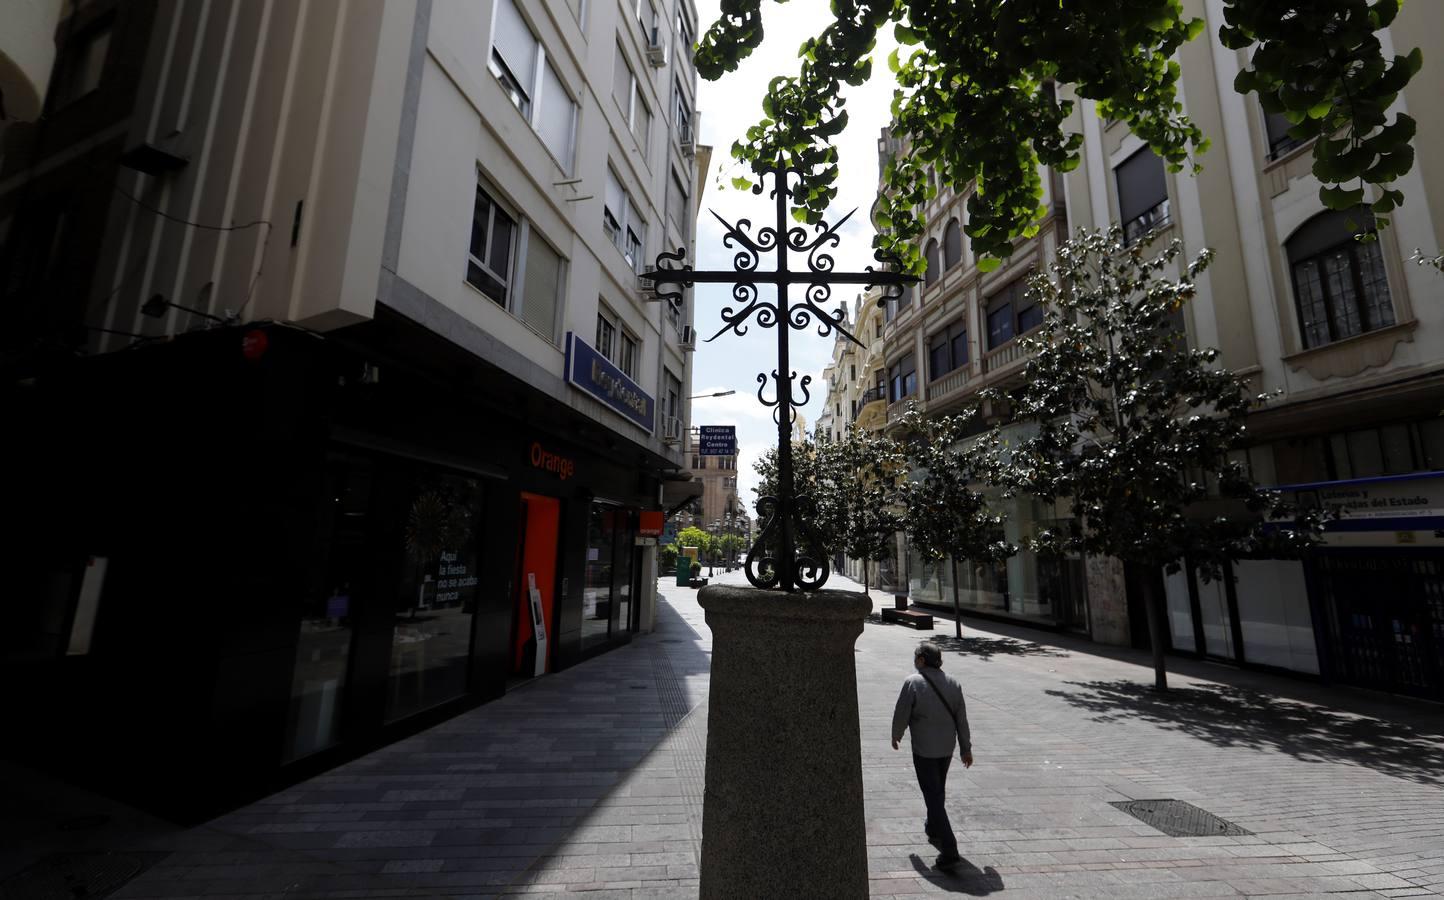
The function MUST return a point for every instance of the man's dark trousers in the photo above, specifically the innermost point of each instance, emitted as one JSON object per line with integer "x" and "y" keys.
{"x": 933, "y": 779}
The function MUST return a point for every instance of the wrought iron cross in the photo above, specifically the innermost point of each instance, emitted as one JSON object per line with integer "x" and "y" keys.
{"x": 777, "y": 559}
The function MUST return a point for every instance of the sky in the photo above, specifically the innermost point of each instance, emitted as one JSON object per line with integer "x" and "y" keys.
{"x": 728, "y": 106}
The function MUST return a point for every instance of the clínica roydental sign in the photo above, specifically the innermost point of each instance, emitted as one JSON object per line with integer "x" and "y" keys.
{"x": 593, "y": 373}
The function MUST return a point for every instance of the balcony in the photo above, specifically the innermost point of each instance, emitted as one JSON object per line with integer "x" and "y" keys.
{"x": 950, "y": 382}
{"x": 1005, "y": 357}
{"x": 870, "y": 396}
{"x": 897, "y": 408}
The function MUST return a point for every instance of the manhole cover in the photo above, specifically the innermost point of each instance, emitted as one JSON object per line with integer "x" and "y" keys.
{"x": 1178, "y": 819}
{"x": 71, "y": 875}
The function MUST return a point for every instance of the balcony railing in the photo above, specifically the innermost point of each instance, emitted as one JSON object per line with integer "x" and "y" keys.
{"x": 1152, "y": 220}
{"x": 948, "y": 383}
{"x": 897, "y": 408}
{"x": 868, "y": 396}
{"x": 1004, "y": 356}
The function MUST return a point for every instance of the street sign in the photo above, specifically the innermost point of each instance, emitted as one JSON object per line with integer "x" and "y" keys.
{"x": 717, "y": 440}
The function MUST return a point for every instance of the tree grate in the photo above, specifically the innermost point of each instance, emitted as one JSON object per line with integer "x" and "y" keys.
{"x": 1178, "y": 819}
{"x": 67, "y": 876}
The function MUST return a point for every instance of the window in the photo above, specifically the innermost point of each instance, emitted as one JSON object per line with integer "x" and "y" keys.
{"x": 80, "y": 65}
{"x": 520, "y": 65}
{"x": 1142, "y": 195}
{"x": 628, "y": 93}
{"x": 930, "y": 255}
{"x": 606, "y": 334}
{"x": 947, "y": 350}
{"x": 672, "y": 399}
{"x": 502, "y": 247}
{"x": 952, "y": 244}
{"x": 493, "y": 234}
{"x": 677, "y": 201}
{"x": 1010, "y": 312}
{"x": 623, "y": 223}
{"x": 902, "y": 378}
{"x": 1276, "y": 129}
{"x": 627, "y": 361}
{"x": 681, "y": 112}
{"x": 1339, "y": 283}
{"x": 647, "y": 18}
{"x": 852, "y": 372}
{"x": 685, "y": 32}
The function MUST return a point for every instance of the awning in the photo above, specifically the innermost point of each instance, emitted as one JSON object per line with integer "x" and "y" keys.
{"x": 677, "y": 494}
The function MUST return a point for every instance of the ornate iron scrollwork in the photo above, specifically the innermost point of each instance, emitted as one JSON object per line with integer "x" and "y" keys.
{"x": 788, "y": 554}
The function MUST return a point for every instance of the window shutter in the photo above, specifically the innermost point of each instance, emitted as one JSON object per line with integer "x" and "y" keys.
{"x": 1141, "y": 185}
{"x": 556, "y": 117}
{"x": 622, "y": 82}
{"x": 543, "y": 285}
{"x": 513, "y": 41}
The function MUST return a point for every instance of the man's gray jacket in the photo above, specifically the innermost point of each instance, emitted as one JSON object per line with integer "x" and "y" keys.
{"x": 920, "y": 708}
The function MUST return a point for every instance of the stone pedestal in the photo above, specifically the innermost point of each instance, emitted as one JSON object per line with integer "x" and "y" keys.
{"x": 783, "y": 814}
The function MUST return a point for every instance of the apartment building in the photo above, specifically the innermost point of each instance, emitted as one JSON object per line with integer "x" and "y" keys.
{"x": 341, "y": 403}
{"x": 1349, "y": 334}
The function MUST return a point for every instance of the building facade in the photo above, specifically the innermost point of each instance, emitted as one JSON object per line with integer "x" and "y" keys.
{"x": 339, "y": 391}
{"x": 1348, "y": 336}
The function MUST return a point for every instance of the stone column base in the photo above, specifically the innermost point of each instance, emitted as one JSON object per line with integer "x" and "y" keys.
{"x": 783, "y": 813}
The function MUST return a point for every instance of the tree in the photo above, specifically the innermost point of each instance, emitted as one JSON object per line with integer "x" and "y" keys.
{"x": 1134, "y": 428}
{"x": 975, "y": 104}
{"x": 947, "y": 516}
{"x": 853, "y": 484}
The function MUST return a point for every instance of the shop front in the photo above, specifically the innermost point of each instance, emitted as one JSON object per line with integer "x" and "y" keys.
{"x": 1028, "y": 587}
{"x": 361, "y": 549}
{"x": 1365, "y": 608}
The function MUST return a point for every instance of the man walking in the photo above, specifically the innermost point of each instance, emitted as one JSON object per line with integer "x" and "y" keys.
{"x": 931, "y": 705}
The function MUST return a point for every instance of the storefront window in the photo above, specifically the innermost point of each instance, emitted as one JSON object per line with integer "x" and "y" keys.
{"x": 607, "y": 594}
{"x": 436, "y": 596}
{"x": 324, "y": 644}
{"x": 597, "y": 592}
{"x": 626, "y": 550}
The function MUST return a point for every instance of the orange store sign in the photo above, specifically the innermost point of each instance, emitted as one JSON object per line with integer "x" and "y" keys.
{"x": 650, "y": 523}
{"x": 561, "y": 466}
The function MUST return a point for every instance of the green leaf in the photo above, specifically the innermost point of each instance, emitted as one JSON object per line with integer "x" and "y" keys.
{"x": 1341, "y": 198}
{"x": 741, "y": 184}
{"x": 905, "y": 34}
{"x": 988, "y": 264}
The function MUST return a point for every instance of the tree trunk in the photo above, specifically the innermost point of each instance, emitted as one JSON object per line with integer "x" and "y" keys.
{"x": 957, "y": 609}
{"x": 864, "y": 577}
{"x": 1152, "y": 605}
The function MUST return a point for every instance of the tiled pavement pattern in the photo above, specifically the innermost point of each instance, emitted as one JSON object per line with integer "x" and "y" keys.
{"x": 588, "y": 783}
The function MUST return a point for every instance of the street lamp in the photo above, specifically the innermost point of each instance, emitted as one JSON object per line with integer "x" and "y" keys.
{"x": 718, "y": 394}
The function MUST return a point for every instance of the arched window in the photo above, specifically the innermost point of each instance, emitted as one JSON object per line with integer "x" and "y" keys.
{"x": 952, "y": 244}
{"x": 931, "y": 256}
{"x": 1340, "y": 287}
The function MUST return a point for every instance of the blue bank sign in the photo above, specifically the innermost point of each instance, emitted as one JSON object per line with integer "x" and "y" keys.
{"x": 592, "y": 372}
{"x": 717, "y": 440}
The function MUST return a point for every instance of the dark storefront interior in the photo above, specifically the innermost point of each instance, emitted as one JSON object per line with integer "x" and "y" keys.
{"x": 292, "y": 561}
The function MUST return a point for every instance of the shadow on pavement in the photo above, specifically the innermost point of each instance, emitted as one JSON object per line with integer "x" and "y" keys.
{"x": 981, "y": 647}
{"x": 965, "y": 878}
{"x": 1232, "y": 716}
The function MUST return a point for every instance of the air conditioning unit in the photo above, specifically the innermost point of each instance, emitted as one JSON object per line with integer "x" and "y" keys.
{"x": 689, "y": 338}
{"x": 656, "y": 50}
{"x": 687, "y": 139}
{"x": 646, "y": 287}
{"x": 671, "y": 430}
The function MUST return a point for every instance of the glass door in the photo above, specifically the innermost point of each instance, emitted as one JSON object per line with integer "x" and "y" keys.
{"x": 435, "y": 596}
{"x": 323, "y": 646}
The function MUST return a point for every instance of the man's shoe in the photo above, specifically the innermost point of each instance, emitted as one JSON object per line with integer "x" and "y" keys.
{"x": 948, "y": 861}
